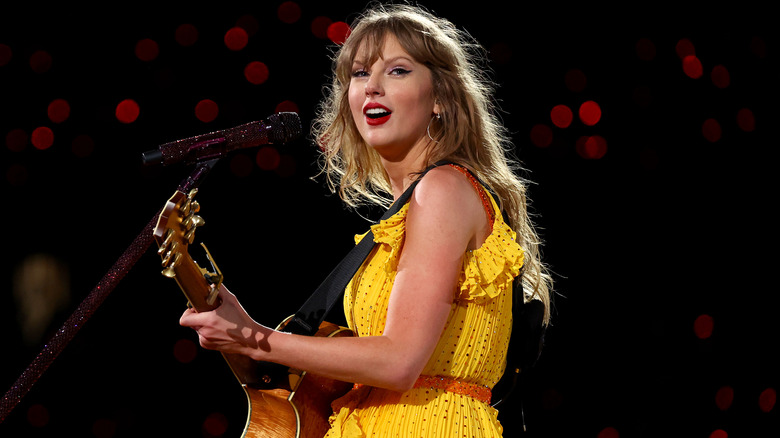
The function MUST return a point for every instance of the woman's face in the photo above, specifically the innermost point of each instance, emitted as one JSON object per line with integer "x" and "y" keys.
{"x": 391, "y": 100}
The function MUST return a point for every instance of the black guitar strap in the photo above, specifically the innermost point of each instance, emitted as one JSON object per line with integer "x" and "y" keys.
{"x": 308, "y": 318}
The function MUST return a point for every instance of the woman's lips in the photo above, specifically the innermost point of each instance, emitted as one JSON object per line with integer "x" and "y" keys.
{"x": 376, "y": 114}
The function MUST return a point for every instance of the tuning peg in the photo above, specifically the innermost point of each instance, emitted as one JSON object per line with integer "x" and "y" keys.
{"x": 166, "y": 242}
{"x": 170, "y": 270}
{"x": 193, "y": 221}
{"x": 167, "y": 257}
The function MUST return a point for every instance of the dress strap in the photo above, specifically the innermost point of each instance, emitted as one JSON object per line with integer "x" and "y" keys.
{"x": 477, "y": 392}
{"x": 491, "y": 214}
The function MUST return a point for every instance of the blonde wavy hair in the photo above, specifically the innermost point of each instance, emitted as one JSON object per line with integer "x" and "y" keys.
{"x": 469, "y": 131}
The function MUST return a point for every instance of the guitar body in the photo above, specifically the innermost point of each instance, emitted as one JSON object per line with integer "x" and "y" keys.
{"x": 282, "y": 402}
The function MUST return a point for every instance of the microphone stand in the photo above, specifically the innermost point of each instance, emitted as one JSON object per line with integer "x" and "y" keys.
{"x": 87, "y": 308}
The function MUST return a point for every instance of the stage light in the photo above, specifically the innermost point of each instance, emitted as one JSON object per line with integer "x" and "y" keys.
{"x": 287, "y": 106}
{"x": 256, "y": 72}
{"x": 319, "y": 27}
{"x": 186, "y": 35}
{"x": 16, "y": 140}
{"x": 645, "y": 49}
{"x": 746, "y": 120}
{"x": 575, "y": 80}
{"x": 591, "y": 147}
{"x": 38, "y": 415}
{"x": 42, "y": 137}
{"x": 724, "y": 397}
{"x": 609, "y": 432}
{"x": 720, "y": 76}
{"x": 719, "y": 433}
{"x": 692, "y": 67}
{"x": 767, "y": 400}
{"x": 338, "y": 32}
{"x": 215, "y": 424}
{"x": 590, "y": 113}
{"x": 703, "y": 326}
{"x": 541, "y": 135}
{"x": 58, "y": 110}
{"x": 561, "y": 116}
{"x": 127, "y": 111}
{"x": 289, "y": 12}
{"x": 711, "y": 130}
{"x": 206, "y": 110}
{"x": 236, "y": 38}
{"x": 268, "y": 158}
{"x": 147, "y": 50}
{"x": 40, "y": 61}
{"x": 685, "y": 48}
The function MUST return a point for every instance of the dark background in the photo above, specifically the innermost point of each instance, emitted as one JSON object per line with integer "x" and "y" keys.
{"x": 665, "y": 227}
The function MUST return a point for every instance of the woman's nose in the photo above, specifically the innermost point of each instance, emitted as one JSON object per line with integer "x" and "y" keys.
{"x": 374, "y": 85}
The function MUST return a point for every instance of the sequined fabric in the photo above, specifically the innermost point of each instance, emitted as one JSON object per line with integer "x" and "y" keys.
{"x": 471, "y": 353}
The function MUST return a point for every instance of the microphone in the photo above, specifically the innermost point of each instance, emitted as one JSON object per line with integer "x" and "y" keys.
{"x": 280, "y": 128}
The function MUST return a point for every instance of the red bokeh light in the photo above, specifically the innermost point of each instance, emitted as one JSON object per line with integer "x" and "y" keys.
{"x": 216, "y": 424}
{"x": 268, "y": 158}
{"x": 720, "y": 76}
{"x": 338, "y": 32}
{"x": 541, "y": 135}
{"x": 206, "y": 110}
{"x": 256, "y": 72}
{"x": 42, "y": 138}
{"x": 703, "y": 326}
{"x": 319, "y": 27}
{"x": 592, "y": 147}
{"x": 609, "y": 432}
{"x": 767, "y": 400}
{"x": 16, "y": 140}
{"x": 719, "y": 433}
{"x": 724, "y": 397}
{"x": 58, "y": 110}
{"x": 590, "y": 113}
{"x": 692, "y": 67}
{"x": 40, "y": 61}
{"x": 289, "y": 12}
{"x": 711, "y": 130}
{"x": 685, "y": 48}
{"x": 236, "y": 38}
{"x": 287, "y": 106}
{"x": 186, "y": 35}
{"x": 575, "y": 80}
{"x": 147, "y": 50}
{"x": 127, "y": 111}
{"x": 645, "y": 49}
{"x": 746, "y": 120}
{"x": 38, "y": 415}
{"x": 241, "y": 165}
{"x": 561, "y": 116}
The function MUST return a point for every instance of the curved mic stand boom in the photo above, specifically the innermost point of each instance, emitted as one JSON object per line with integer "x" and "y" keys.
{"x": 87, "y": 308}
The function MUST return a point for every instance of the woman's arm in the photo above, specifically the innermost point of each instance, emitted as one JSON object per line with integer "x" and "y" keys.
{"x": 445, "y": 218}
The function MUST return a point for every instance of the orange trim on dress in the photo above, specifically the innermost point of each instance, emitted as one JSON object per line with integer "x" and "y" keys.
{"x": 477, "y": 392}
{"x": 480, "y": 191}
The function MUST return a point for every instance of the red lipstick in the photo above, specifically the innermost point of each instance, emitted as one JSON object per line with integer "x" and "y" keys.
{"x": 376, "y": 114}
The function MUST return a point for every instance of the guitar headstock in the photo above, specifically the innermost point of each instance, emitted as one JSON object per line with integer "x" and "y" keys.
{"x": 174, "y": 233}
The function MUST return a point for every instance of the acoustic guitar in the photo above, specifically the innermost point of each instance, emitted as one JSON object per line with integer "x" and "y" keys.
{"x": 282, "y": 402}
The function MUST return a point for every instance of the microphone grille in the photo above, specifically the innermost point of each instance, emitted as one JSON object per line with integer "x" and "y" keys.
{"x": 285, "y": 126}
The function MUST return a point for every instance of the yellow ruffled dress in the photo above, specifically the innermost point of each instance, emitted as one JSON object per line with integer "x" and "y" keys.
{"x": 452, "y": 397}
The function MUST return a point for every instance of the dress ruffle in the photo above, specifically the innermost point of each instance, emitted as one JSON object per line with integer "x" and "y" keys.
{"x": 491, "y": 268}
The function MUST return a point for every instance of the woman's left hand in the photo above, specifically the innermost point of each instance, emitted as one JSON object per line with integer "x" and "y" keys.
{"x": 228, "y": 328}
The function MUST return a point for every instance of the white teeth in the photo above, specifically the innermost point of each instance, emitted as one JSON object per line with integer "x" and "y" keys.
{"x": 375, "y": 111}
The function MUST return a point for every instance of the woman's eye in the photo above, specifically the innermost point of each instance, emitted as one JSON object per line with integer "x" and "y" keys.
{"x": 399, "y": 71}
{"x": 359, "y": 73}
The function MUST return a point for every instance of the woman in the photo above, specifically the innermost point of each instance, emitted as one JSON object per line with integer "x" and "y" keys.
{"x": 431, "y": 307}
